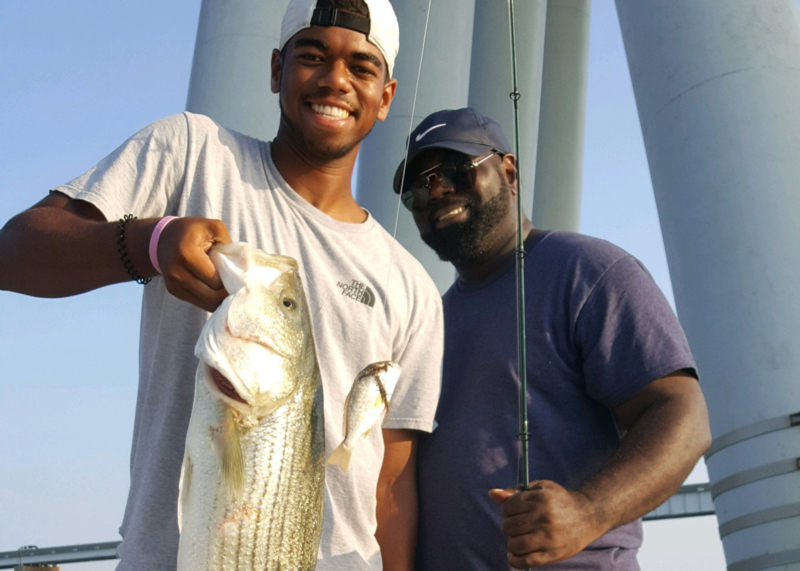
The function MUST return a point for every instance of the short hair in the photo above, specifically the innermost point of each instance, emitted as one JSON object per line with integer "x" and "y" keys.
{"x": 353, "y": 6}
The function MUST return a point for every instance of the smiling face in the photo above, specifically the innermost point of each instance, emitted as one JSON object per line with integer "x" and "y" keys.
{"x": 333, "y": 87}
{"x": 465, "y": 226}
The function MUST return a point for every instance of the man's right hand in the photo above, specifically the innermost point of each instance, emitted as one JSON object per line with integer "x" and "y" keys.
{"x": 183, "y": 256}
{"x": 546, "y": 523}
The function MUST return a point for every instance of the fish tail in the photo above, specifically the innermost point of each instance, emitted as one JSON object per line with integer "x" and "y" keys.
{"x": 229, "y": 451}
{"x": 340, "y": 457}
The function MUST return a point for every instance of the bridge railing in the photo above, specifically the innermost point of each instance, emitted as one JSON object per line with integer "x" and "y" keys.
{"x": 689, "y": 501}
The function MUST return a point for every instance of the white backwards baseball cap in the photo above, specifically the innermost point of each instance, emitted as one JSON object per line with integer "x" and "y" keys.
{"x": 381, "y": 28}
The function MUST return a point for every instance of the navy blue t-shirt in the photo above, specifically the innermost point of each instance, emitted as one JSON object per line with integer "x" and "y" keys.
{"x": 598, "y": 331}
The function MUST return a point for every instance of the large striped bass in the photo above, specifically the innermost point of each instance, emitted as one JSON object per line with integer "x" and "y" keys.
{"x": 252, "y": 481}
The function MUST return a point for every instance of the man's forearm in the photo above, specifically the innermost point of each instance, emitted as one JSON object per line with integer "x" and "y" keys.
{"x": 49, "y": 251}
{"x": 63, "y": 247}
{"x": 666, "y": 433}
{"x": 656, "y": 454}
{"x": 397, "y": 514}
{"x": 396, "y": 506}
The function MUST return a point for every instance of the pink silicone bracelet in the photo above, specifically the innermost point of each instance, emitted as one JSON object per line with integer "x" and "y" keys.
{"x": 155, "y": 236}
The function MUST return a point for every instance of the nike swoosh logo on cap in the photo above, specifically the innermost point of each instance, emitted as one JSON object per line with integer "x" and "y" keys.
{"x": 419, "y": 137}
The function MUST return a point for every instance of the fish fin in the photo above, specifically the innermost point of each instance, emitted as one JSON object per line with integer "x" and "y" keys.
{"x": 340, "y": 457}
{"x": 387, "y": 411}
{"x": 229, "y": 452}
{"x": 184, "y": 489}
{"x": 385, "y": 397}
{"x": 382, "y": 400}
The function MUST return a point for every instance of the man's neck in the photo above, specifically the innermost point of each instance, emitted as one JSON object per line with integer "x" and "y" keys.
{"x": 499, "y": 258}
{"x": 324, "y": 185}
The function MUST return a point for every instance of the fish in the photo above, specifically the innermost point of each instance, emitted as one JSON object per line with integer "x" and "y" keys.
{"x": 368, "y": 398}
{"x": 253, "y": 474}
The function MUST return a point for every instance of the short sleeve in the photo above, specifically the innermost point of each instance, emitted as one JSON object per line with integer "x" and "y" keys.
{"x": 141, "y": 177}
{"x": 413, "y": 405}
{"x": 627, "y": 334}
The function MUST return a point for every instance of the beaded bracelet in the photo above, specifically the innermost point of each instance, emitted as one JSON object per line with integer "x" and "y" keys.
{"x": 123, "y": 252}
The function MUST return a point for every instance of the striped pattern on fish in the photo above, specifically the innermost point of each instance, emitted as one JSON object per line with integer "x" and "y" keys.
{"x": 252, "y": 482}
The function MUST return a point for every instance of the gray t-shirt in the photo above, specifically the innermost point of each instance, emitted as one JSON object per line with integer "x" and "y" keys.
{"x": 187, "y": 165}
{"x": 598, "y": 330}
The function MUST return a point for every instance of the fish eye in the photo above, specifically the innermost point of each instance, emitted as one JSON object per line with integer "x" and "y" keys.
{"x": 288, "y": 303}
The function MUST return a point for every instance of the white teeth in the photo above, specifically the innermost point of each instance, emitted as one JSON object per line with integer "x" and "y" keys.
{"x": 451, "y": 214}
{"x": 330, "y": 112}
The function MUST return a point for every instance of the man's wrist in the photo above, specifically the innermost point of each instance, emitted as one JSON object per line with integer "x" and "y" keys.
{"x": 598, "y": 514}
{"x": 155, "y": 236}
{"x": 137, "y": 241}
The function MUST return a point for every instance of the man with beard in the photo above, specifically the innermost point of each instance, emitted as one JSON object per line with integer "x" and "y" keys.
{"x": 617, "y": 419}
{"x": 333, "y": 74}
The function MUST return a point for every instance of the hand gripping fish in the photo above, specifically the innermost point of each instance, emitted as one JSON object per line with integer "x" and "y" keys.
{"x": 252, "y": 480}
{"x": 368, "y": 398}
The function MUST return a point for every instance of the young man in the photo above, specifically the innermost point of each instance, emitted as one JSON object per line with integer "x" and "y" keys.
{"x": 292, "y": 196}
{"x": 617, "y": 419}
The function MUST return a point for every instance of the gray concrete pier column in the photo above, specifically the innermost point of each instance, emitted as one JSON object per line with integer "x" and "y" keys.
{"x": 562, "y": 116}
{"x": 230, "y": 79}
{"x": 444, "y": 85}
{"x": 717, "y": 86}
{"x": 490, "y": 76}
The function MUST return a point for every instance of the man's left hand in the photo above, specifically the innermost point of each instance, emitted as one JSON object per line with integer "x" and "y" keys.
{"x": 546, "y": 523}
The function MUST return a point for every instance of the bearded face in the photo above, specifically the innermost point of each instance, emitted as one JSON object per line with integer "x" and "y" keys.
{"x": 471, "y": 240}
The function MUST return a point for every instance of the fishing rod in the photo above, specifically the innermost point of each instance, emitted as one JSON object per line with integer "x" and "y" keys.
{"x": 522, "y": 357}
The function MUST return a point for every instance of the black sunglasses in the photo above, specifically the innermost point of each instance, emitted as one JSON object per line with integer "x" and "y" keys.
{"x": 456, "y": 174}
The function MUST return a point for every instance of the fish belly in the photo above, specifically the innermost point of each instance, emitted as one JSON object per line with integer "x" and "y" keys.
{"x": 276, "y": 523}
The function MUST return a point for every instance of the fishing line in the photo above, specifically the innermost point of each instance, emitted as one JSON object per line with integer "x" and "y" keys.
{"x": 403, "y": 178}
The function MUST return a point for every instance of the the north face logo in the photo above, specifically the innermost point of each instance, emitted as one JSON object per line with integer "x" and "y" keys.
{"x": 358, "y": 291}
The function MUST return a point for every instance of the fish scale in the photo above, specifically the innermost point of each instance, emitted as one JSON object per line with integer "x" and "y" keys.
{"x": 274, "y": 478}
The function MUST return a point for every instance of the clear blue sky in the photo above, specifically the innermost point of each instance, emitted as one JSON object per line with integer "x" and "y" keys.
{"x": 78, "y": 78}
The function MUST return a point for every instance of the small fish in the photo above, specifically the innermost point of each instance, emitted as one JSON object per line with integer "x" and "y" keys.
{"x": 368, "y": 399}
{"x": 252, "y": 481}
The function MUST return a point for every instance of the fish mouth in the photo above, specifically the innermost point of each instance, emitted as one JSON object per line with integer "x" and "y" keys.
{"x": 225, "y": 386}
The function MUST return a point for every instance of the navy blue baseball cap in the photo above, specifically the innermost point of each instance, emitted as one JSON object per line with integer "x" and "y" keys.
{"x": 463, "y": 130}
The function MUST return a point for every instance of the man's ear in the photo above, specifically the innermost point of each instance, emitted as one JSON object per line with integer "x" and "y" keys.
{"x": 276, "y": 65}
{"x": 510, "y": 171}
{"x": 389, "y": 89}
